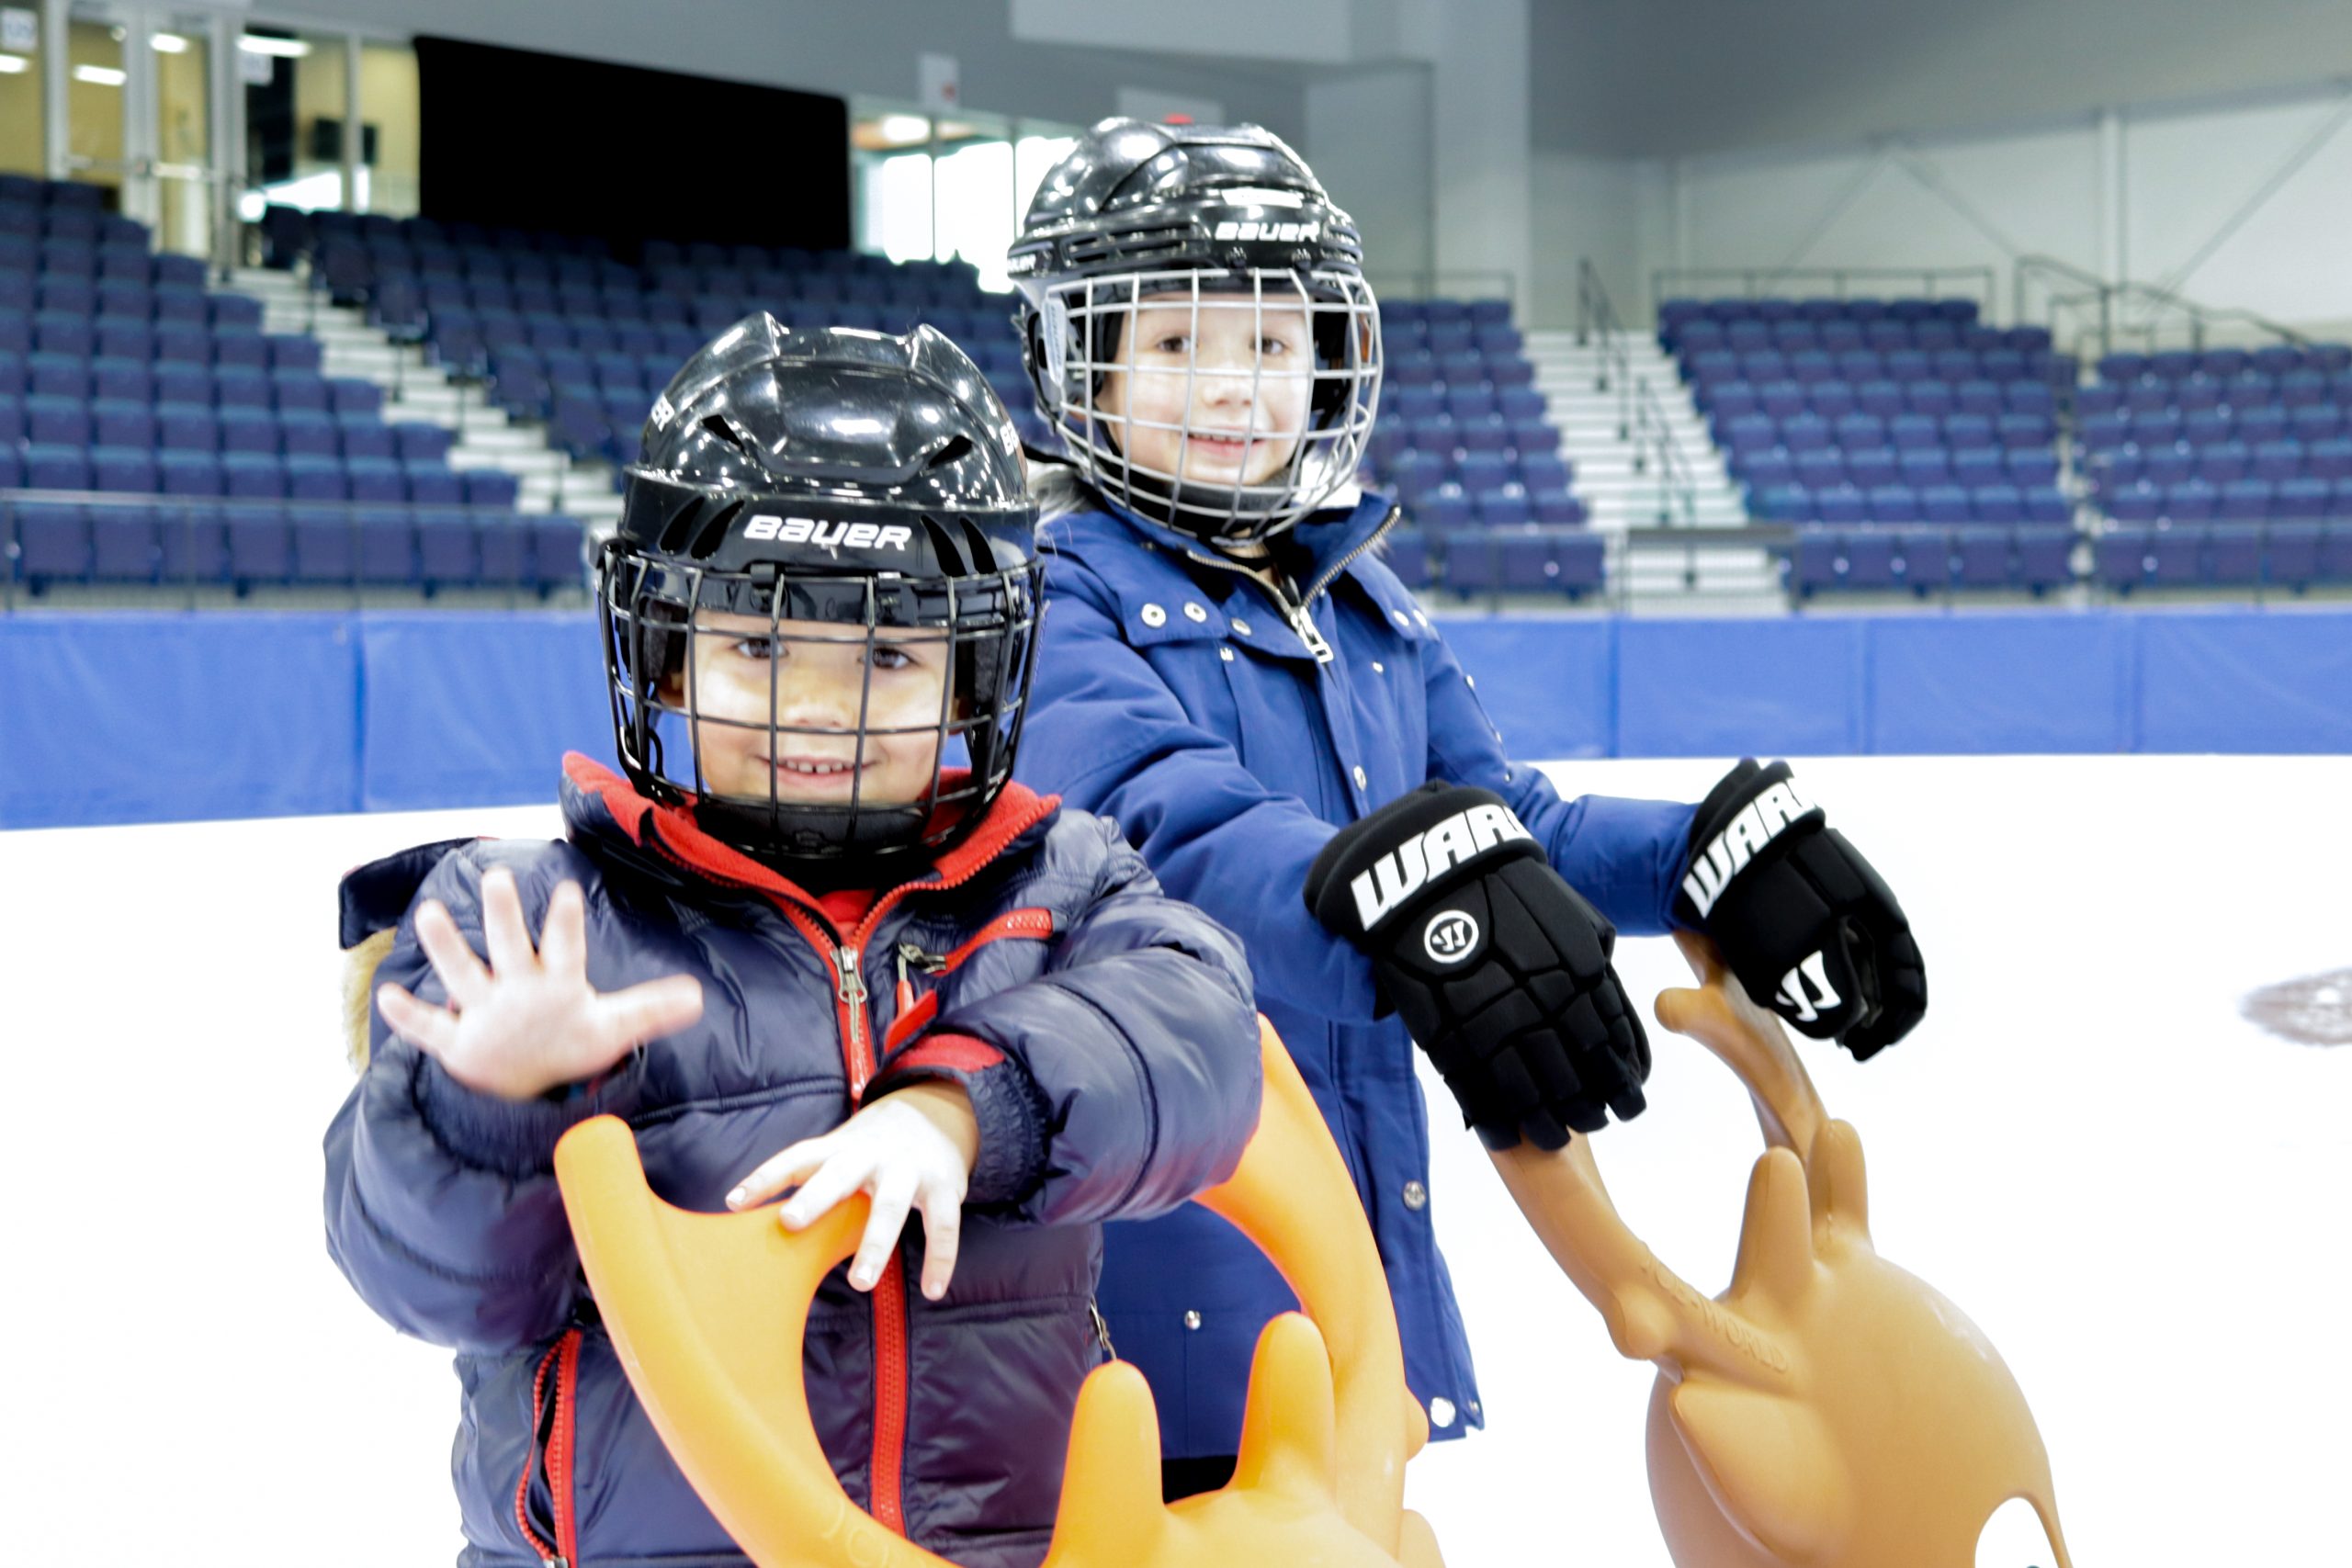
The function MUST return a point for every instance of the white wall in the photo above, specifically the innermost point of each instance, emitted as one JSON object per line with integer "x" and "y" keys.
{"x": 2179, "y": 178}
{"x": 2132, "y": 1191}
{"x": 868, "y": 48}
{"x": 1368, "y": 138}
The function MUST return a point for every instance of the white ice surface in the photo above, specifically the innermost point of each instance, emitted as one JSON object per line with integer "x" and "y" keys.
{"x": 2138, "y": 1196}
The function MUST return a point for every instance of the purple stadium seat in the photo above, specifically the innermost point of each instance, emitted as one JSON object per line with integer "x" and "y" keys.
{"x": 1821, "y": 469}
{"x": 253, "y": 476}
{"x": 1843, "y": 504}
{"x": 2194, "y": 501}
{"x": 1981, "y": 557}
{"x": 312, "y": 478}
{"x": 1868, "y": 466}
{"x": 2044, "y": 558}
{"x": 57, "y": 467}
{"x": 122, "y": 544}
{"x": 52, "y": 542}
{"x": 261, "y": 546}
{"x": 124, "y": 469}
{"x": 1998, "y": 503}
{"x": 2291, "y": 554}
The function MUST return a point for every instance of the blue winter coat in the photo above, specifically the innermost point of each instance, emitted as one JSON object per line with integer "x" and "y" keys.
{"x": 1111, "y": 1050}
{"x": 1174, "y": 695}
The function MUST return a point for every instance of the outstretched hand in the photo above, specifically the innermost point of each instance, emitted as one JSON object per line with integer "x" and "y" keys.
{"x": 529, "y": 1020}
{"x": 911, "y": 1149}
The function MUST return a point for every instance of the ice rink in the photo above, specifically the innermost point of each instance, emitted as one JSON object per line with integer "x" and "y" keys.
{"x": 2138, "y": 1195}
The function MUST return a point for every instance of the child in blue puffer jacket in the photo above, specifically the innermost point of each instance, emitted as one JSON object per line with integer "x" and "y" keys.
{"x": 794, "y": 946}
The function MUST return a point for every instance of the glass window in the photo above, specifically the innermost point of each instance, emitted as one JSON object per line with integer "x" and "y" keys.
{"x": 948, "y": 189}
{"x": 294, "y": 118}
{"x": 20, "y": 127}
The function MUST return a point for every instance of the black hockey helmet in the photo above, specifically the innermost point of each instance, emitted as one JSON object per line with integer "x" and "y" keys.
{"x": 1212, "y": 218}
{"x": 864, "y": 496}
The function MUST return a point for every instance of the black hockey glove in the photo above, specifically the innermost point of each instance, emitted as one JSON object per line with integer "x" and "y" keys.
{"x": 1499, "y": 967}
{"x": 1801, "y": 917}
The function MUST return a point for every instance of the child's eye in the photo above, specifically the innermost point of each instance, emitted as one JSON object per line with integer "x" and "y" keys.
{"x": 1175, "y": 343}
{"x": 889, "y": 656}
{"x": 761, "y": 648}
{"x": 1272, "y": 345}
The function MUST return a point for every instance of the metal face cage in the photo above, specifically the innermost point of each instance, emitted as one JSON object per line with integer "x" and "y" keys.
{"x": 812, "y": 719}
{"x": 1228, "y": 405}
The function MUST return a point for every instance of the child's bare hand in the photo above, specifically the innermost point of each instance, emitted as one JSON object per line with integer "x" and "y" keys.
{"x": 911, "y": 1149}
{"x": 530, "y": 1020}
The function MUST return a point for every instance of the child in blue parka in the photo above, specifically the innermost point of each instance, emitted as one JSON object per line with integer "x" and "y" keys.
{"x": 812, "y": 938}
{"x": 1232, "y": 674}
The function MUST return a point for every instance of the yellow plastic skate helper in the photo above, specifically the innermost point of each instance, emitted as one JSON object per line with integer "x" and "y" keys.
{"x": 707, "y": 1313}
{"x": 1828, "y": 1409}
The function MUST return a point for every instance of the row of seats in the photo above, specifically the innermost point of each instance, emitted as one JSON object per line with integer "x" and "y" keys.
{"x": 261, "y": 476}
{"x": 2250, "y": 389}
{"x": 1931, "y": 560}
{"x": 1471, "y": 370}
{"x": 2161, "y": 427}
{"x": 194, "y": 428}
{"x": 1470, "y": 562}
{"x": 1450, "y": 507}
{"x": 1705, "y": 369}
{"x": 1849, "y": 504}
{"x": 2288, "y": 554}
{"x": 1805, "y": 432}
{"x": 2221, "y": 461}
{"x": 2183, "y": 364}
{"x": 125, "y": 261}
{"x": 1834, "y": 399}
{"x": 28, "y": 222}
{"x": 1868, "y": 466}
{"x": 101, "y": 338}
{"x": 1414, "y": 473}
{"x": 243, "y": 547}
{"x": 200, "y": 386}
{"x": 2243, "y": 499}
{"x": 133, "y": 299}
{"x": 1881, "y": 337}
{"x": 1401, "y": 404}
{"x": 1444, "y": 435}
{"x": 1780, "y": 307}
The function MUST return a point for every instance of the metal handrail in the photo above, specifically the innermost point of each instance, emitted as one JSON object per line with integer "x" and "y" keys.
{"x": 1756, "y": 280}
{"x": 2112, "y": 302}
{"x": 1641, "y": 419}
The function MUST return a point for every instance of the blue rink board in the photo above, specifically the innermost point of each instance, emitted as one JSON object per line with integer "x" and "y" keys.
{"x": 114, "y": 717}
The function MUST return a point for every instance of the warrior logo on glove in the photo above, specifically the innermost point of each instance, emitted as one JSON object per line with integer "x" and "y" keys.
{"x": 1804, "y": 922}
{"x": 1499, "y": 967}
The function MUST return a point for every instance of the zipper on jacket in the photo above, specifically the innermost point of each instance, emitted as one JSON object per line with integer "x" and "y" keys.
{"x": 1101, "y": 1330}
{"x": 841, "y": 955}
{"x": 552, "y": 1452}
{"x": 1297, "y": 611}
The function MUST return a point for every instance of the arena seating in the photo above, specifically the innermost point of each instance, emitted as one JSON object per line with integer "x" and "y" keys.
{"x": 1466, "y": 441}
{"x": 1850, "y": 412}
{"x": 559, "y": 331}
{"x": 121, "y": 373}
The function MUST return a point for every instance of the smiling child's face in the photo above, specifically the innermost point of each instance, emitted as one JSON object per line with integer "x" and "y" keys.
{"x": 1214, "y": 392}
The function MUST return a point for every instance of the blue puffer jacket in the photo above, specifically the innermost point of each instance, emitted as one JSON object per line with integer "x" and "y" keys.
{"x": 1177, "y": 697}
{"x": 1105, "y": 1031}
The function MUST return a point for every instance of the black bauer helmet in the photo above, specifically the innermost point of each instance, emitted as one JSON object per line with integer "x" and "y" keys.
{"x": 822, "y": 594}
{"x": 1221, "y": 239}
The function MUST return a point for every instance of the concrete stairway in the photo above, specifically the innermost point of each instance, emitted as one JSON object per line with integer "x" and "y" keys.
{"x": 415, "y": 388}
{"x": 1621, "y": 487}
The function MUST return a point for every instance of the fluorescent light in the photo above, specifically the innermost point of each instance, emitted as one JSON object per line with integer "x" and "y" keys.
{"x": 168, "y": 43}
{"x": 14, "y": 65}
{"x": 905, "y": 128}
{"x": 100, "y": 75}
{"x": 284, "y": 48}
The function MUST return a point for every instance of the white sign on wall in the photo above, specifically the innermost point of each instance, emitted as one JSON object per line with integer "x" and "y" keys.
{"x": 939, "y": 90}
{"x": 19, "y": 30}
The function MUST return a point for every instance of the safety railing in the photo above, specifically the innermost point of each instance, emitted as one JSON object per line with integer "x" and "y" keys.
{"x": 2088, "y": 313}
{"x": 109, "y": 548}
{"x": 1642, "y": 423}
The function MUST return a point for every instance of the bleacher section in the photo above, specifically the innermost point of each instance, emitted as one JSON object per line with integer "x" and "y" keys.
{"x": 122, "y": 376}
{"x": 1466, "y": 441}
{"x": 561, "y": 332}
{"x": 2226, "y": 468}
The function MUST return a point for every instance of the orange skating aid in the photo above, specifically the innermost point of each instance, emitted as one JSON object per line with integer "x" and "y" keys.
{"x": 707, "y": 1313}
{"x": 1828, "y": 1409}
